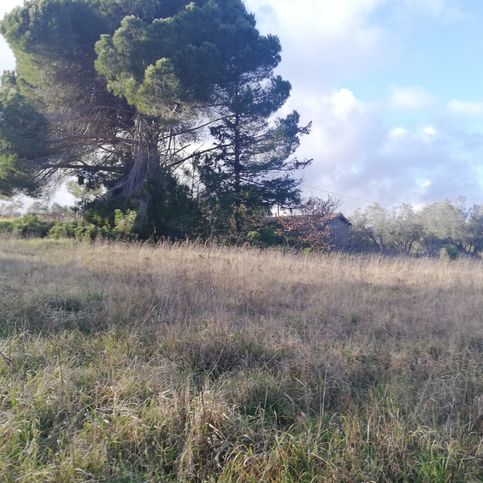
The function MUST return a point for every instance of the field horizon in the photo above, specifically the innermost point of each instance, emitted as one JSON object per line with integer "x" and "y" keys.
{"x": 184, "y": 362}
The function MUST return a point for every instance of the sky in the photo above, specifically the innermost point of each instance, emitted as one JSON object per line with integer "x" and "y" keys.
{"x": 394, "y": 91}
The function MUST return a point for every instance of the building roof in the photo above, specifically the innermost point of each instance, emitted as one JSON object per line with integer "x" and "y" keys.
{"x": 321, "y": 218}
{"x": 339, "y": 216}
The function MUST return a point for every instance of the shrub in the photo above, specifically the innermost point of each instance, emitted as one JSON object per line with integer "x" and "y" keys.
{"x": 90, "y": 232}
{"x": 6, "y": 227}
{"x": 124, "y": 224}
{"x": 63, "y": 229}
{"x": 449, "y": 252}
{"x": 31, "y": 226}
{"x": 83, "y": 231}
{"x": 268, "y": 235}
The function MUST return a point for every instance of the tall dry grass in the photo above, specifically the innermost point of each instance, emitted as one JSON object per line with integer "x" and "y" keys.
{"x": 192, "y": 363}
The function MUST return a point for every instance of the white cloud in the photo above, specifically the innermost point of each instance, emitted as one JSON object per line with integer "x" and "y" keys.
{"x": 8, "y": 5}
{"x": 356, "y": 150}
{"x": 428, "y": 133}
{"x": 425, "y": 133}
{"x": 357, "y": 154}
{"x": 410, "y": 98}
{"x": 7, "y": 60}
{"x": 343, "y": 103}
{"x": 326, "y": 17}
{"x": 324, "y": 40}
{"x": 466, "y": 108}
{"x": 397, "y": 133}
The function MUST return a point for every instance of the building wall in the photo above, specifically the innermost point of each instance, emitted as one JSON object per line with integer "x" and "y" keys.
{"x": 340, "y": 233}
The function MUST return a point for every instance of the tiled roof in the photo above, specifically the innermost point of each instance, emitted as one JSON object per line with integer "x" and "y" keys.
{"x": 322, "y": 218}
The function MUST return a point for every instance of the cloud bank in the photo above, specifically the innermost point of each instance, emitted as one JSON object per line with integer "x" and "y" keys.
{"x": 408, "y": 145}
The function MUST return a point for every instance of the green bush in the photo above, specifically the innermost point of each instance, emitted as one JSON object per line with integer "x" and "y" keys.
{"x": 31, "y": 226}
{"x": 90, "y": 232}
{"x": 83, "y": 230}
{"x": 124, "y": 224}
{"x": 6, "y": 227}
{"x": 63, "y": 229}
{"x": 268, "y": 235}
{"x": 450, "y": 252}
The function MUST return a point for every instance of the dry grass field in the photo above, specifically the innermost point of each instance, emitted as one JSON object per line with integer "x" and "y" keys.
{"x": 189, "y": 363}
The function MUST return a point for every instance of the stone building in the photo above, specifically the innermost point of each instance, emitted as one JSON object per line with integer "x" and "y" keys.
{"x": 339, "y": 228}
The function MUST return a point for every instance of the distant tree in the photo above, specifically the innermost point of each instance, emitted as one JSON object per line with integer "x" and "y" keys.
{"x": 43, "y": 208}
{"x": 406, "y": 229}
{"x": 11, "y": 208}
{"x": 318, "y": 206}
{"x": 60, "y": 212}
{"x": 39, "y": 207}
{"x": 474, "y": 230}
{"x": 444, "y": 223}
{"x": 362, "y": 238}
{"x": 374, "y": 225}
{"x": 446, "y": 226}
{"x": 395, "y": 230}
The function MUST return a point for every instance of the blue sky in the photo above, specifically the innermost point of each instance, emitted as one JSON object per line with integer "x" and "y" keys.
{"x": 440, "y": 48}
{"x": 394, "y": 89}
{"x": 395, "y": 92}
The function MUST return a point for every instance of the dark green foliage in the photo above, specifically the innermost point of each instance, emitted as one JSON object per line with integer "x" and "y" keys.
{"x": 157, "y": 63}
{"x": 111, "y": 91}
{"x": 121, "y": 227}
{"x": 63, "y": 229}
{"x": 171, "y": 212}
{"x": 251, "y": 168}
{"x": 268, "y": 235}
{"x": 450, "y": 252}
{"x": 82, "y": 231}
{"x": 53, "y": 42}
{"x": 166, "y": 212}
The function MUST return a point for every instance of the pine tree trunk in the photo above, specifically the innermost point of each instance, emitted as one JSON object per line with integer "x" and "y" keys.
{"x": 237, "y": 174}
{"x": 146, "y": 164}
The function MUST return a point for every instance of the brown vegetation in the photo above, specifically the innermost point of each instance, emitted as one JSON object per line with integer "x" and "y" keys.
{"x": 143, "y": 363}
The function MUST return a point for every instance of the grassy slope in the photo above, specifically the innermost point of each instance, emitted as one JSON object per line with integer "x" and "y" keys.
{"x": 127, "y": 363}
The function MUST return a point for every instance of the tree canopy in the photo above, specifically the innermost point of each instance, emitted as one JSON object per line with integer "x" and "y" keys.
{"x": 120, "y": 92}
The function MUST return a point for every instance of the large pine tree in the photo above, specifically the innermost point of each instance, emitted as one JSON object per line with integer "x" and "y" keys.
{"x": 115, "y": 92}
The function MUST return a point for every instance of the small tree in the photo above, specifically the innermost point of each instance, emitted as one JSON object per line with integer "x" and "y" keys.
{"x": 406, "y": 229}
{"x": 474, "y": 230}
{"x": 388, "y": 231}
{"x": 316, "y": 206}
{"x": 444, "y": 223}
